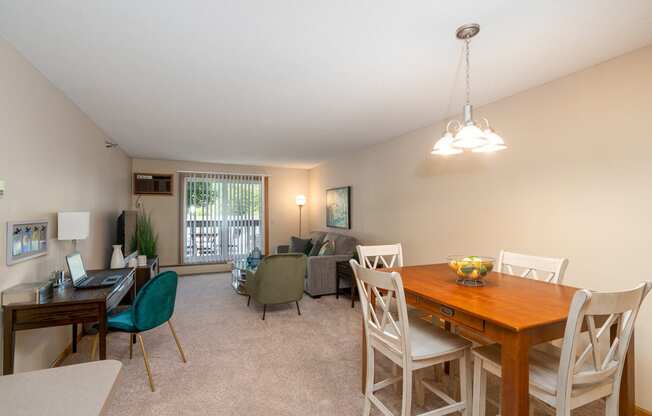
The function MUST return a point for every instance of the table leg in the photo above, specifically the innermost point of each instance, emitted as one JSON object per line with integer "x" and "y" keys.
{"x": 102, "y": 332}
{"x": 626, "y": 402}
{"x": 74, "y": 338}
{"x": 515, "y": 378}
{"x": 364, "y": 358}
{"x": 9, "y": 342}
{"x": 447, "y": 364}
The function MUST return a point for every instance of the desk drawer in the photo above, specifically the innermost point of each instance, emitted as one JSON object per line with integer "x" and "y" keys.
{"x": 452, "y": 315}
{"x": 55, "y": 315}
{"x": 120, "y": 292}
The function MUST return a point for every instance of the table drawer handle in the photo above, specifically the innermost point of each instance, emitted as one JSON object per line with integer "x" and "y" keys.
{"x": 446, "y": 311}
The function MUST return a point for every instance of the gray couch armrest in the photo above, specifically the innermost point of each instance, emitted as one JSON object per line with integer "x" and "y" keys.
{"x": 322, "y": 273}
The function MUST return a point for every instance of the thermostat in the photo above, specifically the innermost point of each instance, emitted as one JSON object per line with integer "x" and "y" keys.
{"x": 2, "y": 188}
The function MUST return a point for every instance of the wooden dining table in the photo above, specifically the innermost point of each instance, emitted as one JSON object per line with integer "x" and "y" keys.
{"x": 513, "y": 311}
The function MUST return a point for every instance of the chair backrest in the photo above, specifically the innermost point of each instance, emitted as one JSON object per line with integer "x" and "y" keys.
{"x": 547, "y": 269}
{"x": 382, "y": 328}
{"x": 280, "y": 278}
{"x": 602, "y": 359}
{"x": 154, "y": 303}
{"x": 389, "y": 256}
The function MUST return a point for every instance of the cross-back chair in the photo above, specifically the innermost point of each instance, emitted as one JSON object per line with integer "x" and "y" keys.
{"x": 390, "y": 255}
{"x": 547, "y": 269}
{"x": 579, "y": 372}
{"x": 412, "y": 344}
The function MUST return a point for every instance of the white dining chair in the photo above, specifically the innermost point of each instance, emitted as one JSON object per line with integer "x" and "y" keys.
{"x": 390, "y": 255}
{"x": 412, "y": 344}
{"x": 547, "y": 269}
{"x": 565, "y": 378}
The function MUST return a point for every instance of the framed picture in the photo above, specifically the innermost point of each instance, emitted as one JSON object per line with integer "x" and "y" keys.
{"x": 338, "y": 207}
{"x": 26, "y": 240}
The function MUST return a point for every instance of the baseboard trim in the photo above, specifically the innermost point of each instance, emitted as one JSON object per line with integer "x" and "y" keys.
{"x": 642, "y": 412}
{"x": 66, "y": 351}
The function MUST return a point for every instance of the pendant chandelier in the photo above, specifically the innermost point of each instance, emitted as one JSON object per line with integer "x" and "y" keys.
{"x": 467, "y": 134}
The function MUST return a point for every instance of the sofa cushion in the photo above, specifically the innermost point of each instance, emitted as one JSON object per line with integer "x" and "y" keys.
{"x": 299, "y": 245}
{"x": 344, "y": 244}
{"x": 327, "y": 248}
{"x": 316, "y": 238}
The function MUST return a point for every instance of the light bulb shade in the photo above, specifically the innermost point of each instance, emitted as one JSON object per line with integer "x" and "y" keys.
{"x": 301, "y": 200}
{"x": 73, "y": 225}
{"x": 495, "y": 143}
{"x": 469, "y": 137}
{"x": 443, "y": 146}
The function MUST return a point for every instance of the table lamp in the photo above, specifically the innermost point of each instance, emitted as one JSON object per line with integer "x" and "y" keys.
{"x": 301, "y": 201}
{"x": 73, "y": 226}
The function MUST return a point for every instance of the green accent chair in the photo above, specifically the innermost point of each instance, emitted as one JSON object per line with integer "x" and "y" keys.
{"x": 153, "y": 307}
{"x": 278, "y": 279}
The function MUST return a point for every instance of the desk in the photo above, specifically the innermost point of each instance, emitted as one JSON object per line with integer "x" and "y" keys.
{"x": 66, "y": 306}
{"x": 512, "y": 311}
{"x": 73, "y": 390}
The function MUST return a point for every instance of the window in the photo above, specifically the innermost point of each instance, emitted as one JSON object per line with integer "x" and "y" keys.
{"x": 222, "y": 216}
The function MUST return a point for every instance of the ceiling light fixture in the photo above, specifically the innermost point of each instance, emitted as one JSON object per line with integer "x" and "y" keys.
{"x": 468, "y": 135}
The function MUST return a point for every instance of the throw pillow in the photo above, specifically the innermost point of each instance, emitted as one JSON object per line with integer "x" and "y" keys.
{"x": 327, "y": 249}
{"x": 298, "y": 245}
{"x": 316, "y": 246}
{"x": 308, "y": 248}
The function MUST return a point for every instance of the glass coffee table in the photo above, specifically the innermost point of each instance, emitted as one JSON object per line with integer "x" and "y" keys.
{"x": 239, "y": 275}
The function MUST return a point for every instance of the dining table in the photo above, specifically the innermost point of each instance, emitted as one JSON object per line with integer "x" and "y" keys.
{"x": 513, "y": 311}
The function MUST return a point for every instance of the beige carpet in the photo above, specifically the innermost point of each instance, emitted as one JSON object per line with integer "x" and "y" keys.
{"x": 241, "y": 365}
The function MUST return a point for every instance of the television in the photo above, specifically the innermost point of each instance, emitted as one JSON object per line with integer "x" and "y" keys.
{"x": 126, "y": 229}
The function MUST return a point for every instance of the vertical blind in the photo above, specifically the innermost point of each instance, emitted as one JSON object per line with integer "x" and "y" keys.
{"x": 222, "y": 216}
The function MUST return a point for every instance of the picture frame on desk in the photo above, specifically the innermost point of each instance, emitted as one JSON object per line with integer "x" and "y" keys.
{"x": 26, "y": 240}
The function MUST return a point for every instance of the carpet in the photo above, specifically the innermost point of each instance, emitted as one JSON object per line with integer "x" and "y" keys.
{"x": 241, "y": 365}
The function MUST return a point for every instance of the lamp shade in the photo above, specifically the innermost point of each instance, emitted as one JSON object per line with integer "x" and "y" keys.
{"x": 443, "y": 146}
{"x": 469, "y": 137}
{"x": 301, "y": 200}
{"x": 73, "y": 225}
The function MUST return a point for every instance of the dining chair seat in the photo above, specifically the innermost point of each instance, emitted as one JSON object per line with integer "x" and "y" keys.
{"x": 429, "y": 341}
{"x": 544, "y": 367}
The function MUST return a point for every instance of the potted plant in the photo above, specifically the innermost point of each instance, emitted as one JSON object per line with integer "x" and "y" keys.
{"x": 145, "y": 240}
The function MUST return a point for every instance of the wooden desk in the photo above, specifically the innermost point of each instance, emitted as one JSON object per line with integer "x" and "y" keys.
{"x": 513, "y": 311}
{"x": 72, "y": 390}
{"x": 66, "y": 306}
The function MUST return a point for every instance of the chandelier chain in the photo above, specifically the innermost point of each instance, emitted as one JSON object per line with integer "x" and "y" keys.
{"x": 467, "y": 47}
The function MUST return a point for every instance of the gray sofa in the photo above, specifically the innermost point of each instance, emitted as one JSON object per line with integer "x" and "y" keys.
{"x": 321, "y": 273}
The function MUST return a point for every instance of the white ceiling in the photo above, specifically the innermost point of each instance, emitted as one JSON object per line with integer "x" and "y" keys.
{"x": 293, "y": 82}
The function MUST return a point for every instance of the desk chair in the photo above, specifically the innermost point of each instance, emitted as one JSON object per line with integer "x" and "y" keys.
{"x": 153, "y": 306}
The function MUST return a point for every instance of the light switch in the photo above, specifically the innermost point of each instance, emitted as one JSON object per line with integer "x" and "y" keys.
{"x": 2, "y": 188}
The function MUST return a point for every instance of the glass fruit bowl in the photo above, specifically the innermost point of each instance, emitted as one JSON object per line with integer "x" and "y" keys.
{"x": 471, "y": 270}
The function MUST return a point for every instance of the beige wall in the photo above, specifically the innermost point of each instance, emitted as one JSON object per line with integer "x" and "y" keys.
{"x": 284, "y": 185}
{"x": 52, "y": 158}
{"x": 575, "y": 182}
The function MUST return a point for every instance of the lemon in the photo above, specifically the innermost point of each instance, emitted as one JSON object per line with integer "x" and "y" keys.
{"x": 460, "y": 273}
{"x": 475, "y": 274}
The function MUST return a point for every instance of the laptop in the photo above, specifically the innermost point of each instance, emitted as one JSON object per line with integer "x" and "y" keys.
{"x": 80, "y": 280}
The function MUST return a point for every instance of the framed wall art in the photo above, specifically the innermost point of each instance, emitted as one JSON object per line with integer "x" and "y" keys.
{"x": 26, "y": 240}
{"x": 338, "y": 207}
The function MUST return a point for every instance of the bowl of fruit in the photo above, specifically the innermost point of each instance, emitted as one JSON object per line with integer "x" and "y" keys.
{"x": 471, "y": 270}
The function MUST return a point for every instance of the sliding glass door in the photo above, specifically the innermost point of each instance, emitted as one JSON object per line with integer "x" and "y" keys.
{"x": 222, "y": 216}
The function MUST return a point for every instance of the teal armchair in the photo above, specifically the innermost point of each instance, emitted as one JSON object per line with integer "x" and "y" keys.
{"x": 278, "y": 279}
{"x": 153, "y": 307}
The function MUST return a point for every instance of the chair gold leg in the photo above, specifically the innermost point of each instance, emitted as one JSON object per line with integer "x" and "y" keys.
{"x": 96, "y": 341}
{"x": 174, "y": 334}
{"x": 131, "y": 346}
{"x": 149, "y": 371}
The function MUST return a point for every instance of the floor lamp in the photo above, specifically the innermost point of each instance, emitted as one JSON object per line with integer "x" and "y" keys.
{"x": 301, "y": 201}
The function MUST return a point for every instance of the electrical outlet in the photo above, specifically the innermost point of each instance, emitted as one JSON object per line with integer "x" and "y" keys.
{"x": 2, "y": 188}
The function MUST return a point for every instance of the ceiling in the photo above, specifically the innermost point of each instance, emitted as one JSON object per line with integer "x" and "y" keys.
{"x": 293, "y": 83}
